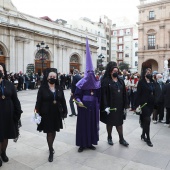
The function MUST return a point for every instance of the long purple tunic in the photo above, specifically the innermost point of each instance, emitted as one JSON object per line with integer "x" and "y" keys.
{"x": 87, "y": 132}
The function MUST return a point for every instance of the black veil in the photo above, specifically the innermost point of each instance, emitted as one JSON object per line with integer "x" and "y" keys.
{"x": 46, "y": 73}
{"x": 5, "y": 72}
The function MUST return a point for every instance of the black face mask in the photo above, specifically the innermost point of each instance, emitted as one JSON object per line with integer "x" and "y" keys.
{"x": 1, "y": 74}
{"x": 115, "y": 74}
{"x": 52, "y": 80}
{"x": 149, "y": 76}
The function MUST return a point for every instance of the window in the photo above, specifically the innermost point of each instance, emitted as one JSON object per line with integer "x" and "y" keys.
{"x": 151, "y": 15}
{"x": 136, "y": 63}
{"x": 103, "y": 48}
{"x": 151, "y": 42}
{"x": 103, "y": 41}
{"x": 126, "y": 47}
{"x": 114, "y": 48}
{"x": 120, "y": 56}
{"x": 136, "y": 44}
{"x": 136, "y": 54}
{"x": 120, "y": 47}
{"x": 120, "y": 40}
{"x": 126, "y": 55}
{"x": 127, "y": 31}
{"x": 1, "y": 52}
{"x": 121, "y": 32}
{"x": 115, "y": 33}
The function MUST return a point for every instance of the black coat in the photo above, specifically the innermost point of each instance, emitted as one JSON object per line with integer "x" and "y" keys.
{"x": 52, "y": 114}
{"x": 159, "y": 98}
{"x": 145, "y": 94}
{"x": 110, "y": 97}
{"x": 76, "y": 78}
{"x": 167, "y": 95}
{"x": 10, "y": 112}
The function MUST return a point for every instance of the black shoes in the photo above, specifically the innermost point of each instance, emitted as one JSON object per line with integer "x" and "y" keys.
{"x": 143, "y": 138}
{"x": 72, "y": 115}
{"x": 50, "y": 158}
{"x": 0, "y": 163}
{"x": 80, "y": 149}
{"x": 4, "y": 157}
{"x": 92, "y": 147}
{"x": 110, "y": 142}
{"x": 123, "y": 142}
{"x": 149, "y": 143}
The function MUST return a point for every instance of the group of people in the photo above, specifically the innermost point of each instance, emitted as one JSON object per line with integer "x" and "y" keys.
{"x": 103, "y": 99}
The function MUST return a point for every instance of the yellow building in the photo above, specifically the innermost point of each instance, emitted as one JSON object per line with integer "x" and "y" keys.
{"x": 154, "y": 34}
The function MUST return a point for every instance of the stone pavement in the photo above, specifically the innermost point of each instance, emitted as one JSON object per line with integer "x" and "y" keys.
{"x": 31, "y": 151}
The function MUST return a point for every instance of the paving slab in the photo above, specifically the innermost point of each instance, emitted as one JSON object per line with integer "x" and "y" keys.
{"x": 31, "y": 150}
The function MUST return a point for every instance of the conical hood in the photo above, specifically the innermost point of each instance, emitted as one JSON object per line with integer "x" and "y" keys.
{"x": 89, "y": 80}
{"x": 89, "y": 65}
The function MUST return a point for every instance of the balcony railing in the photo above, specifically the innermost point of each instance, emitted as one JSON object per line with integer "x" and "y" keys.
{"x": 156, "y": 47}
{"x": 151, "y": 17}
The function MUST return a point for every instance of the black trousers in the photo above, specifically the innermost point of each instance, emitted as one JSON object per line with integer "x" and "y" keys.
{"x": 73, "y": 112}
{"x": 167, "y": 115}
{"x": 160, "y": 111}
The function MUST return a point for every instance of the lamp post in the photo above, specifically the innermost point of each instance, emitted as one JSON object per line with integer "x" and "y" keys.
{"x": 42, "y": 47}
{"x": 99, "y": 63}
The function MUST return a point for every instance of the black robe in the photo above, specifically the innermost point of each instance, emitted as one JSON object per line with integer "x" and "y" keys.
{"x": 145, "y": 94}
{"x": 52, "y": 114}
{"x": 113, "y": 95}
{"x": 10, "y": 112}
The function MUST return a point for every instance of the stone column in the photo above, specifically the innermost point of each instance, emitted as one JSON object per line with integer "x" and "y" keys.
{"x": 140, "y": 62}
{"x": 141, "y": 38}
{"x": 12, "y": 54}
{"x": 161, "y": 36}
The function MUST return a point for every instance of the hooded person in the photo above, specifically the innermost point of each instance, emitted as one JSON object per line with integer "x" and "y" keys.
{"x": 87, "y": 96}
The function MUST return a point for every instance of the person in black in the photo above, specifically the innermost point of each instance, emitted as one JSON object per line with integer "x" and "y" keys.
{"x": 51, "y": 106}
{"x": 10, "y": 113}
{"x": 159, "y": 99}
{"x": 113, "y": 95}
{"x": 145, "y": 94}
{"x": 166, "y": 94}
{"x": 76, "y": 78}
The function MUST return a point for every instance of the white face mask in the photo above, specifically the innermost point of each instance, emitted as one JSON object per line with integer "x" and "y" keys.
{"x": 125, "y": 77}
{"x": 160, "y": 80}
{"x": 135, "y": 77}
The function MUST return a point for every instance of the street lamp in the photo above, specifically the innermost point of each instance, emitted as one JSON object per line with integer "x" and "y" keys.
{"x": 43, "y": 48}
{"x": 99, "y": 63}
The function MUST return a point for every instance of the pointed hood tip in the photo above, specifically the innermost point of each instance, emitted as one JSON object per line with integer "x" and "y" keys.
{"x": 89, "y": 65}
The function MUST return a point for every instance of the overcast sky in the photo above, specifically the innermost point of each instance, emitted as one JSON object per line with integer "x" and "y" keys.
{"x": 74, "y": 9}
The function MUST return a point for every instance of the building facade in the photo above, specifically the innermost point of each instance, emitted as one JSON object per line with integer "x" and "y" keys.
{"x": 124, "y": 45}
{"x": 20, "y": 33}
{"x": 93, "y": 29}
{"x": 154, "y": 34}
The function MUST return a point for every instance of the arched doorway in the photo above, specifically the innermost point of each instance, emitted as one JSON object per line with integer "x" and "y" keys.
{"x": 2, "y": 57}
{"x": 74, "y": 62}
{"x": 153, "y": 64}
{"x": 42, "y": 61}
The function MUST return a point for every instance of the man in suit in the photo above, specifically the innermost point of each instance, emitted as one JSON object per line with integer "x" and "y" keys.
{"x": 159, "y": 99}
{"x": 76, "y": 78}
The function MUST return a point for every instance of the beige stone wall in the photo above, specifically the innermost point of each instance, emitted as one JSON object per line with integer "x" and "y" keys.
{"x": 161, "y": 26}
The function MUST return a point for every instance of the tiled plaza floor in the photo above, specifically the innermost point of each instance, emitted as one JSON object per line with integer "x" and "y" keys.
{"x": 31, "y": 151}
